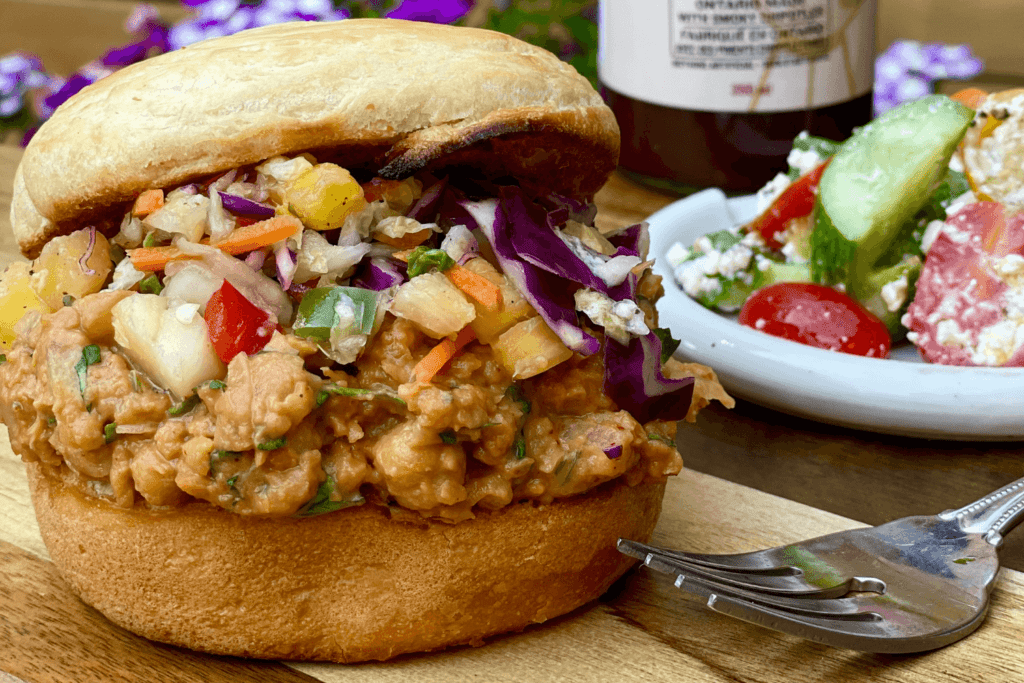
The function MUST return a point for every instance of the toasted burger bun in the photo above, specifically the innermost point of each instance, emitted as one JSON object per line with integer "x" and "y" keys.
{"x": 392, "y": 96}
{"x": 345, "y": 587}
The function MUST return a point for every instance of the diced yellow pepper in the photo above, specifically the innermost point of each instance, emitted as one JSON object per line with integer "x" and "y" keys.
{"x": 16, "y": 299}
{"x": 324, "y": 196}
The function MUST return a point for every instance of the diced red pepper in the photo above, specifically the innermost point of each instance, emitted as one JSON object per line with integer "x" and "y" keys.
{"x": 796, "y": 201}
{"x": 818, "y": 316}
{"x": 235, "y": 324}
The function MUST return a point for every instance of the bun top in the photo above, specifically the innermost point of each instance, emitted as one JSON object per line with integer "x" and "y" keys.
{"x": 388, "y": 96}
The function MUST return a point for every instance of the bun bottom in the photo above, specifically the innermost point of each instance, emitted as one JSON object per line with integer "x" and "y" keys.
{"x": 347, "y": 586}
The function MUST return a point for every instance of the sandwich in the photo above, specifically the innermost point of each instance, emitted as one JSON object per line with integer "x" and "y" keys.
{"x": 319, "y": 354}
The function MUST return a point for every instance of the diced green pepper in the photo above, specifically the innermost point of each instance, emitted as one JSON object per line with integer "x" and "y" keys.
{"x": 317, "y": 313}
{"x": 109, "y": 432}
{"x": 424, "y": 259}
{"x": 151, "y": 284}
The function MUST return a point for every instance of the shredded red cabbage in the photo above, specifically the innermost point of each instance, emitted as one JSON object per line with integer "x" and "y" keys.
{"x": 245, "y": 207}
{"x": 584, "y": 212}
{"x": 83, "y": 262}
{"x": 613, "y": 452}
{"x": 287, "y": 263}
{"x": 633, "y": 241}
{"x": 378, "y": 274}
{"x": 546, "y": 292}
{"x": 425, "y": 207}
{"x": 633, "y": 379}
{"x": 255, "y": 259}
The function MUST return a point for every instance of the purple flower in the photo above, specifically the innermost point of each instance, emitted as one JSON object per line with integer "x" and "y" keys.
{"x": 21, "y": 76}
{"x": 908, "y": 70}
{"x": 436, "y": 11}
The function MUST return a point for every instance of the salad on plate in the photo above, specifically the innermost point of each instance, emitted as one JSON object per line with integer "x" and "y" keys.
{"x": 909, "y": 230}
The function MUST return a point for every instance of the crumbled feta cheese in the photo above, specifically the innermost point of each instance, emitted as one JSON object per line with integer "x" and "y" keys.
{"x": 959, "y": 203}
{"x": 998, "y": 342}
{"x": 948, "y": 333}
{"x": 804, "y": 161}
{"x": 894, "y": 293}
{"x": 676, "y": 254}
{"x": 770, "y": 192}
{"x": 930, "y": 233}
{"x": 620, "y": 319}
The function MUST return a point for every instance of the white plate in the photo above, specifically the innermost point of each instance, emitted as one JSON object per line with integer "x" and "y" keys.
{"x": 897, "y": 395}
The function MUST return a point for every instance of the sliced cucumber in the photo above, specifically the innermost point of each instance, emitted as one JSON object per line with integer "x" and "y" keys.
{"x": 887, "y": 292}
{"x": 877, "y": 181}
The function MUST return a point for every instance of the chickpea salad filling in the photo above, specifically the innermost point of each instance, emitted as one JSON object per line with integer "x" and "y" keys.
{"x": 289, "y": 339}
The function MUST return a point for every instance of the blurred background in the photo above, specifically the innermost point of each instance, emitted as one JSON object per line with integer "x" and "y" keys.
{"x": 51, "y": 48}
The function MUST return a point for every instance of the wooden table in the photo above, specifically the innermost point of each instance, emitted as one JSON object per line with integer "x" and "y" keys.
{"x": 754, "y": 477}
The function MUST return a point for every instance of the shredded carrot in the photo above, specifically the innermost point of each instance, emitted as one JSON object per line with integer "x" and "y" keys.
{"x": 476, "y": 286}
{"x": 148, "y": 202}
{"x": 440, "y": 355}
{"x": 402, "y": 256}
{"x": 243, "y": 239}
{"x": 972, "y": 97}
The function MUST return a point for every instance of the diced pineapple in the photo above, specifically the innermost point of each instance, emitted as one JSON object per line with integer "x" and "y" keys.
{"x": 489, "y": 325}
{"x": 529, "y": 348}
{"x": 57, "y": 271}
{"x": 324, "y": 196}
{"x": 433, "y": 304}
{"x": 168, "y": 340}
{"x": 16, "y": 299}
{"x": 182, "y": 214}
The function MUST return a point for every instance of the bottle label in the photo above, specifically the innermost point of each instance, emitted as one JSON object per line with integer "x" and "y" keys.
{"x": 738, "y": 55}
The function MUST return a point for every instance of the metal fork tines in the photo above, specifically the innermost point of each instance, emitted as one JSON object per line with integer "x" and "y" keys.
{"x": 833, "y": 615}
{"x": 910, "y": 585}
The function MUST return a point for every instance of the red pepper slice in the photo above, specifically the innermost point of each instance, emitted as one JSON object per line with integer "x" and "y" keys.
{"x": 235, "y": 324}
{"x": 818, "y": 316}
{"x": 796, "y": 201}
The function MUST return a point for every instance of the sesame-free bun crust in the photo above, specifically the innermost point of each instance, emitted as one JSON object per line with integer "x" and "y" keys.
{"x": 387, "y": 95}
{"x": 347, "y": 586}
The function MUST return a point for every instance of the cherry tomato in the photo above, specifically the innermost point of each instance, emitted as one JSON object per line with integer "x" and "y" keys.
{"x": 235, "y": 324}
{"x": 816, "y": 315}
{"x": 796, "y": 201}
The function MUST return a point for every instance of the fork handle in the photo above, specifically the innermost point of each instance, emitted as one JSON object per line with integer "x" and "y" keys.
{"x": 994, "y": 515}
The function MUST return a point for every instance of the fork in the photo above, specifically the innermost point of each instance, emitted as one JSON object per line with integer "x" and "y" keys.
{"x": 914, "y": 584}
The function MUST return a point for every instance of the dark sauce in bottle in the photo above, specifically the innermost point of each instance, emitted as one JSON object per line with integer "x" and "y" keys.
{"x": 682, "y": 151}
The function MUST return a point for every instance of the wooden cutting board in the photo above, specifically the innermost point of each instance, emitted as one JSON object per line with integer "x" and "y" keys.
{"x": 642, "y": 630}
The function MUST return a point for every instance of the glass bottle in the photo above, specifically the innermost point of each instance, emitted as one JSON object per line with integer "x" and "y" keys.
{"x": 711, "y": 93}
